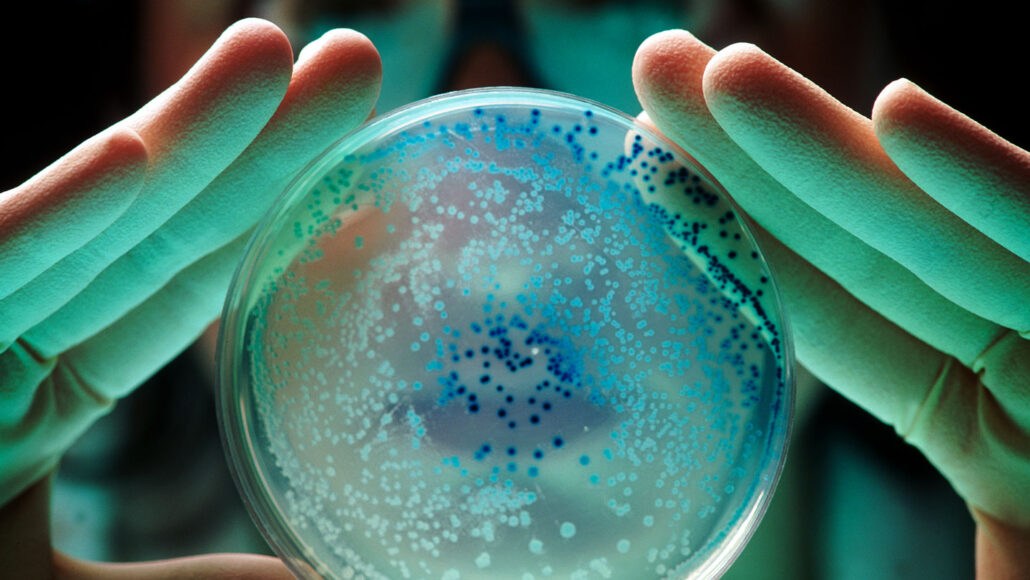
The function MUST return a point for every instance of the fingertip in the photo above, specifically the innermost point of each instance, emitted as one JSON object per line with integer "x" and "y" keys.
{"x": 643, "y": 120}
{"x": 241, "y": 78}
{"x": 900, "y": 88}
{"x": 343, "y": 46}
{"x": 342, "y": 64}
{"x": 905, "y": 111}
{"x": 658, "y": 48}
{"x": 308, "y": 50}
{"x": 256, "y": 37}
{"x": 112, "y": 164}
{"x": 252, "y": 52}
{"x": 115, "y": 155}
{"x": 121, "y": 147}
{"x": 668, "y": 65}
{"x": 738, "y": 68}
{"x": 744, "y": 84}
{"x": 893, "y": 100}
{"x": 264, "y": 44}
{"x": 902, "y": 106}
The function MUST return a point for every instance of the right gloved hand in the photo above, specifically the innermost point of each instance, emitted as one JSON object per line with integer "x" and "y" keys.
{"x": 901, "y": 246}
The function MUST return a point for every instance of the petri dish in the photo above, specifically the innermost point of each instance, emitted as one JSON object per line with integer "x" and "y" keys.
{"x": 505, "y": 333}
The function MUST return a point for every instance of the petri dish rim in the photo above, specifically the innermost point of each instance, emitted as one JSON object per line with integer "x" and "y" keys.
{"x": 233, "y": 408}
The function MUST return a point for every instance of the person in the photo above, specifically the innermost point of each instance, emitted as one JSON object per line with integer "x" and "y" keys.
{"x": 876, "y": 269}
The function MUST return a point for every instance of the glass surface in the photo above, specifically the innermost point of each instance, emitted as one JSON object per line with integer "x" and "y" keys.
{"x": 505, "y": 333}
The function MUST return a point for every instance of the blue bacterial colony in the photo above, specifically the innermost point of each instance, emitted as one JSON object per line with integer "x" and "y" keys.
{"x": 514, "y": 341}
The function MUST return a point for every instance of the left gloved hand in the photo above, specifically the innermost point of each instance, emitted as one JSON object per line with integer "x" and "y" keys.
{"x": 117, "y": 256}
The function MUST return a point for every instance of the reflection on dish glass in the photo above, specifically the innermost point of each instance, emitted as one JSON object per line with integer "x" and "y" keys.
{"x": 506, "y": 335}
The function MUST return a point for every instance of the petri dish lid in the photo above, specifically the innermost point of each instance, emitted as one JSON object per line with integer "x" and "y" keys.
{"x": 505, "y": 333}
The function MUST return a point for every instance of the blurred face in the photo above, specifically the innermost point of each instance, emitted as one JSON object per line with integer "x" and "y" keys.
{"x": 584, "y": 47}
{"x": 433, "y": 46}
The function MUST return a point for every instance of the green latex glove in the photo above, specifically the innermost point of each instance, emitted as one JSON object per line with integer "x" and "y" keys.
{"x": 901, "y": 245}
{"x": 117, "y": 256}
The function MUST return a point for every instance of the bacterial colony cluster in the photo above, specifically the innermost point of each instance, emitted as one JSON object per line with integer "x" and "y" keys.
{"x": 514, "y": 342}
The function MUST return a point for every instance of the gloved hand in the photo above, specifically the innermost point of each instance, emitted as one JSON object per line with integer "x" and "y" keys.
{"x": 901, "y": 246}
{"x": 117, "y": 256}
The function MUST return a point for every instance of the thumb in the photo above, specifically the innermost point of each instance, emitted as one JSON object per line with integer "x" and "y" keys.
{"x": 211, "y": 566}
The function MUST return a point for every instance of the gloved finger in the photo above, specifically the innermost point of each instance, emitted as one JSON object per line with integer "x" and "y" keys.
{"x": 334, "y": 86}
{"x": 980, "y": 177}
{"x": 67, "y": 204}
{"x": 668, "y": 73}
{"x": 192, "y": 132}
{"x": 116, "y": 360}
{"x": 828, "y": 155}
{"x": 850, "y": 347}
{"x": 976, "y": 433}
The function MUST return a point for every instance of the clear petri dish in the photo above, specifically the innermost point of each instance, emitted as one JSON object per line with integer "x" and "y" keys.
{"x": 505, "y": 333}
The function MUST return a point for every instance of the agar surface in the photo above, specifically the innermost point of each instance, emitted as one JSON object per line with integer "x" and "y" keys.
{"x": 515, "y": 342}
